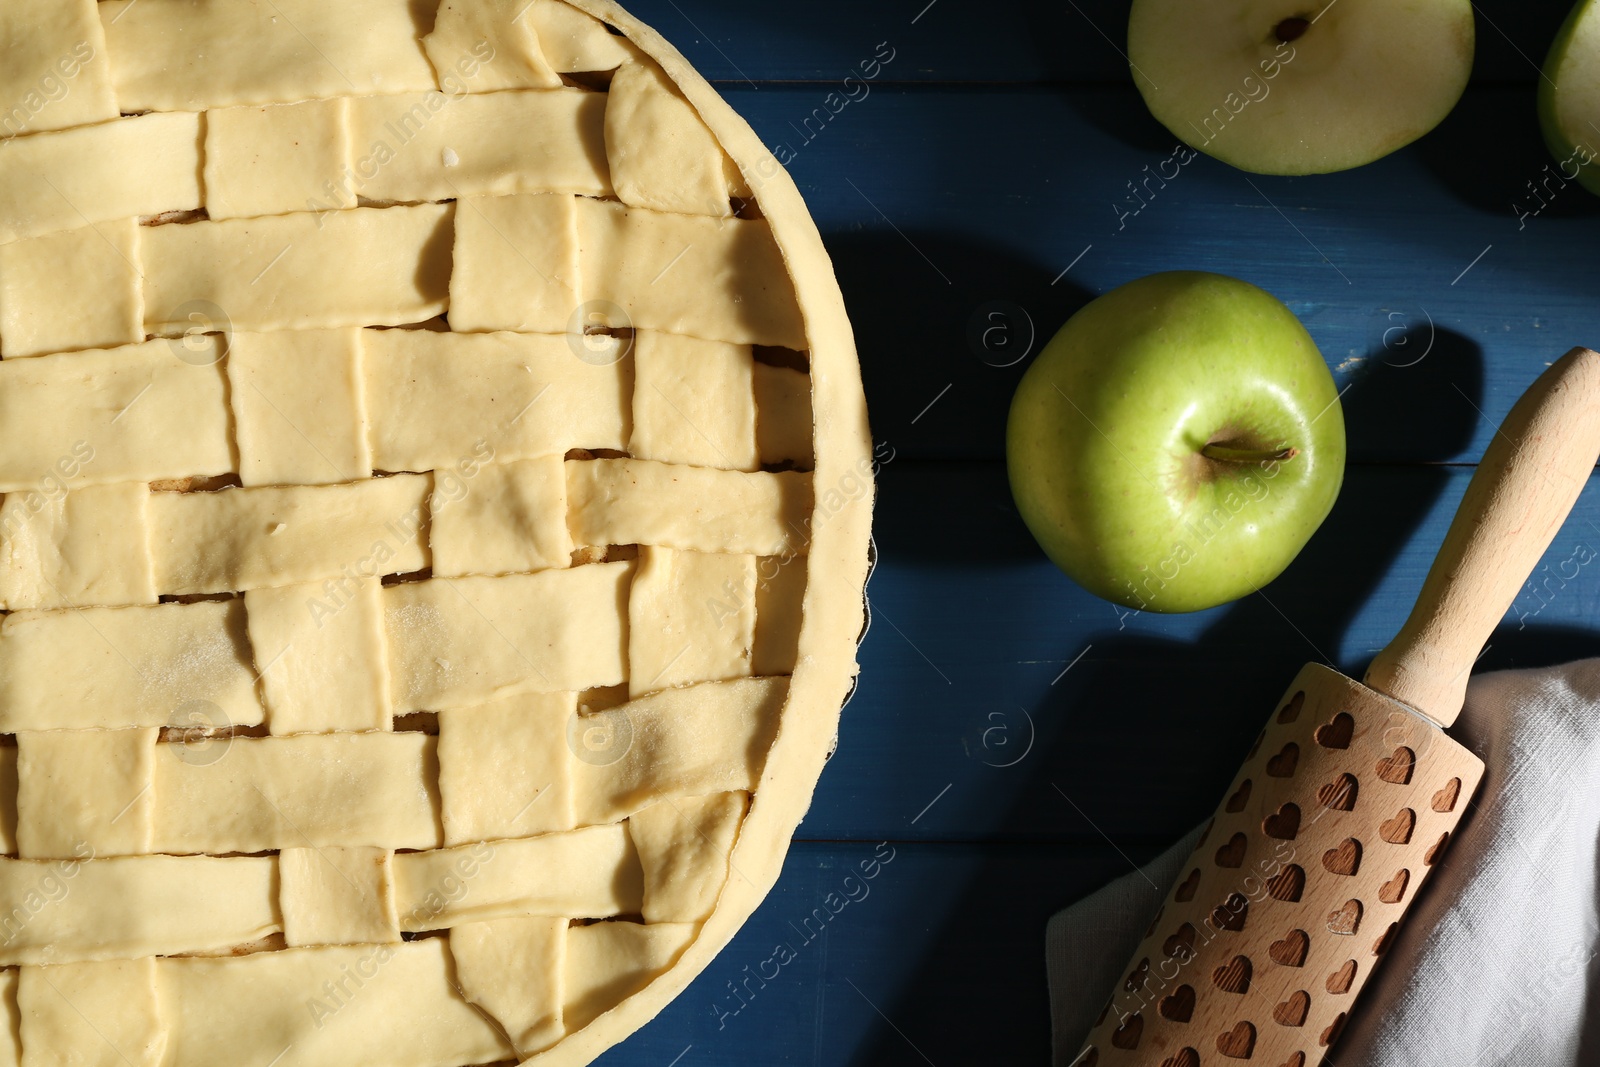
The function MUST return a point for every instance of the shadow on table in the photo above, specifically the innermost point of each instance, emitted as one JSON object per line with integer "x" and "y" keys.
{"x": 1094, "y": 743}
{"x": 944, "y": 327}
{"x": 1490, "y": 154}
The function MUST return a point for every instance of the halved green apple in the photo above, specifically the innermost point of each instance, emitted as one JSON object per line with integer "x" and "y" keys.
{"x": 1300, "y": 86}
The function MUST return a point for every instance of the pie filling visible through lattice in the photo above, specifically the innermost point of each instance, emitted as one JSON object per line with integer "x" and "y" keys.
{"x": 436, "y": 505}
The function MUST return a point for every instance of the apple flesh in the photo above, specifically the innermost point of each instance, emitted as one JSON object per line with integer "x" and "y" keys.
{"x": 1297, "y": 87}
{"x": 1176, "y": 444}
{"x": 1569, "y": 96}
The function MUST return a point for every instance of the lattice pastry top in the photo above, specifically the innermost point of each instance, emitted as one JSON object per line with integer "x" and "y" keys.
{"x": 436, "y": 499}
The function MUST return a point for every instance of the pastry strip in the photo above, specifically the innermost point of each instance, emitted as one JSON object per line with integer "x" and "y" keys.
{"x": 321, "y": 650}
{"x": 721, "y": 279}
{"x": 506, "y": 518}
{"x": 444, "y": 146}
{"x": 363, "y": 267}
{"x": 337, "y": 896}
{"x": 194, "y": 55}
{"x": 74, "y": 549}
{"x": 330, "y": 1007}
{"x": 504, "y": 767}
{"x": 145, "y": 165}
{"x": 115, "y": 668}
{"x": 71, "y": 289}
{"x": 662, "y": 155}
{"x": 298, "y": 411}
{"x": 635, "y": 501}
{"x": 310, "y": 790}
{"x": 590, "y": 873}
{"x": 683, "y": 844}
{"x": 125, "y": 907}
{"x": 122, "y": 415}
{"x": 609, "y": 962}
{"x": 92, "y": 1015}
{"x": 448, "y": 401}
{"x": 54, "y": 71}
{"x": 478, "y": 46}
{"x": 249, "y": 538}
{"x": 516, "y": 267}
{"x": 708, "y": 738}
{"x": 278, "y": 159}
{"x": 691, "y": 618}
{"x": 455, "y": 642}
{"x": 84, "y": 793}
{"x": 574, "y": 41}
{"x": 514, "y": 970}
{"x": 694, "y": 402}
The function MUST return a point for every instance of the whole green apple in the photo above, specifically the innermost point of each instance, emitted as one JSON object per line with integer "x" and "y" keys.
{"x": 1569, "y": 101}
{"x": 1177, "y": 443}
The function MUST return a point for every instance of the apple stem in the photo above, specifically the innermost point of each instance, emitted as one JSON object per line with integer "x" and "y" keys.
{"x": 1224, "y": 454}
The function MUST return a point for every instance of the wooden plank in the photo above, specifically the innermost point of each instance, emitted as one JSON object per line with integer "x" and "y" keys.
{"x": 947, "y": 41}
{"x": 973, "y": 629}
{"x": 926, "y": 234}
{"x": 942, "y": 954}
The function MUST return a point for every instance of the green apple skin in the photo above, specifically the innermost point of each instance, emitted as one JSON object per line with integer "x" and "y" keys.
{"x": 1356, "y": 79}
{"x": 1569, "y": 95}
{"x": 1105, "y": 438}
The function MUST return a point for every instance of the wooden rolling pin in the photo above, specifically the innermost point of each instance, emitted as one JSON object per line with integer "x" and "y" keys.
{"x": 1350, "y": 795}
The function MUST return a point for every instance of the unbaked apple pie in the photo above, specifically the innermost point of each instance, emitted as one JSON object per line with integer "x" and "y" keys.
{"x": 437, "y": 490}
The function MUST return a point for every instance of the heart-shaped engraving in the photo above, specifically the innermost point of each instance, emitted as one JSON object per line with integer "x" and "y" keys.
{"x": 1331, "y": 1034}
{"x": 1282, "y": 824}
{"x": 1445, "y": 799}
{"x": 1089, "y": 1057}
{"x": 1437, "y": 850}
{"x": 1231, "y": 913}
{"x": 1296, "y": 1060}
{"x": 1380, "y": 946}
{"x": 1337, "y": 733}
{"x": 1185, "y": 1057}
{"x": 1291, "y": 710}
{"x": 1179, "y": 1007}
{"x": 1282, "y": 765}
{"x": 1205, "y": 833}
{"x": 1339, "y": 794}
{"x": 1240, "y": 798}
{"x": 1287, "y": 884}
{"x": 1394, "y": 890}
{"x": 1291, "y": 951}
{"x": 1139, "y": 976}
{"x": 1346, "y": 920}
{"x": 1341, "y": 980}
{"x": 1186, "y": 888}
{"x": 1397, "y": 831}
{"x": 1233, "y": 976}
{"x": 1344, "y": 860}
{"x": 1293, "y": 1011}
{"x": 1127, "y": 1035}
{"x": 1180, "y": 945}
{"x": 1238, "y": 1043}
{"x": 1232, "y": 854}
{"x": 1396, "y": 767}
{"x": 1151, "y": 929}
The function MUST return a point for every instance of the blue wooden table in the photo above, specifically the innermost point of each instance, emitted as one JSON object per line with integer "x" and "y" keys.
{"x": 1015, "y": 742}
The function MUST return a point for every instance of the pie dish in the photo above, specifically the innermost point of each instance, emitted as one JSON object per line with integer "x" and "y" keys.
{"x": 437, "y": 500}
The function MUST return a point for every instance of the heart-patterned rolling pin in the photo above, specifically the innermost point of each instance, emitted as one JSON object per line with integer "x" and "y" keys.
{"x": 1350, "y": 795}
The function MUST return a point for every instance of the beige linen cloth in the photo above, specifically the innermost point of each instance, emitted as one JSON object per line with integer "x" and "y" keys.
{"x": 1496, "y": 964}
